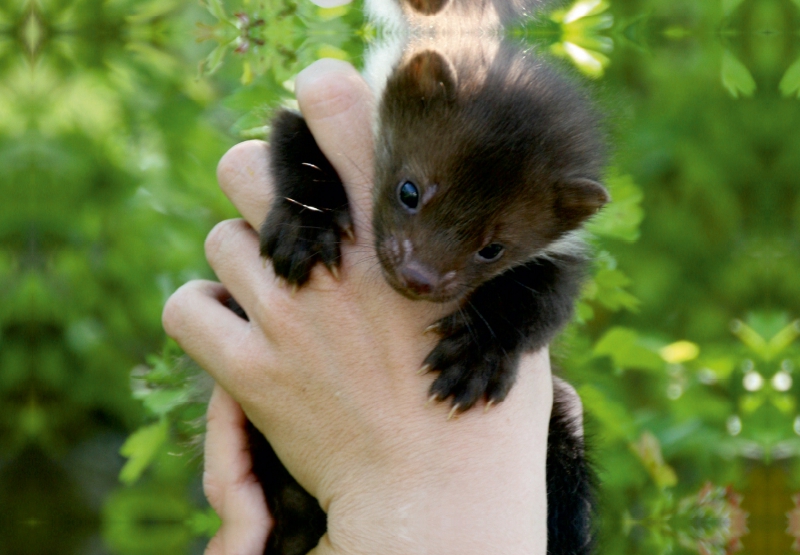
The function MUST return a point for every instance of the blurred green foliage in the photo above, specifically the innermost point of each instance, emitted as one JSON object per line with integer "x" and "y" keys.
{"x": 685, "y": 347}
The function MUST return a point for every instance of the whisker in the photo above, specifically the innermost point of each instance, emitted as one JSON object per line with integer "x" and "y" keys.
{"x": 472, "y": 333}
{"x": 472, "y": 306}
{"x": 505, "y": 353}
{"x": 298, "y": 226}
{"x": 312, "y": 208}
{"x": 531, "y": 289}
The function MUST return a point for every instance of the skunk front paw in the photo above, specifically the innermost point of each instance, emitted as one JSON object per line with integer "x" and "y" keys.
{"x": 471, "y": 364}
{"x": 310, "y": 212}
{"x": 297, "y": 236}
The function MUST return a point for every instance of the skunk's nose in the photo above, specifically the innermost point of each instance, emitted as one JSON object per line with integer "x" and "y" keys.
{"x": 419, "y": 279}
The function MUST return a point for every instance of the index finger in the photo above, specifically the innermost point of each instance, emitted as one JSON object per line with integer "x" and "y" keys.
{"x": 229, "y": 482}
{"x": 244, "y": 176}
{"x": 337, "y": 105}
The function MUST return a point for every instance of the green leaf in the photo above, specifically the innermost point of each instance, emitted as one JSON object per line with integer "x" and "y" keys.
{"x": 621, "y": 218}
{"x": 750, "y": 337}
{"x": 214, "y": 60}
{"x": 150, "y": 10}
{"x": 767, "y": 349}
{"x": 146, "y": 520}
{"x": 736, "y": 77}
{"x": 648, "y": 449}
{"x": 614, "y": 418}
{"x": 216, "y": 9}
{"x": 610, "y": 290}
{"x": 140, "y": 449}
{"x": 781, "y": 340}
{"x": 679, "y": 352}
{"x": 626, "y": 350}
{"x": 790, "y": 84}
{"x": 729, "y": 5}
{"x": 161, "y": 401}
{"x": 326, "y": 14}
{"x": 579, "y": 10}
{"x": 204, "y": 523}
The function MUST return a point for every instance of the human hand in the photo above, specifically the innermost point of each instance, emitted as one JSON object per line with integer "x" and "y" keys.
{"x": 329, "y": 374}
{"x": 229, "y": 483}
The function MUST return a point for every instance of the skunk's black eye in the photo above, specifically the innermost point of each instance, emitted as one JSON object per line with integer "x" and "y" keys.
{"x": 408, "y": 195}
{"x": 491, "y": 252}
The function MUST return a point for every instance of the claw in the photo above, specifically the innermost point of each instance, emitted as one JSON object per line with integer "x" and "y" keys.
{"x": 453, "y": 411}
{"x": 293, "y": 292}
{"x": 348, "y": 232}
{"x": 335, "y": 272}
{"x": 264, "y": 262}
{"x": 432, "y": 398}
{"x": 424, "y": 370}
{"x": 488, "y": 406}
{"x": 433, "y": 328}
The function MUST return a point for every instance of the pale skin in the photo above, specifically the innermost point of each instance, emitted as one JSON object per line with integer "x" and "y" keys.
{"x": 329, "y": 374}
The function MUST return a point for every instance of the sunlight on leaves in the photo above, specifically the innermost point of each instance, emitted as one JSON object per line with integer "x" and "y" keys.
{"x": 582, "y": 43}
{"x": 585, "y": 8}
{"x": 592, "y": 63}
{"x": 680, "y": 351}
{"x": 141, "y": 448}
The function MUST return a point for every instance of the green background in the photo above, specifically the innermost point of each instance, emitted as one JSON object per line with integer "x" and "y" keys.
{"x": 113, "y": 115}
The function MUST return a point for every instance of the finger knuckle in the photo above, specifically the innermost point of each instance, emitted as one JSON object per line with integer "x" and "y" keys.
{"x": 217, "y": 239}
{"x": 331, "y": 95}
{"x": 250, "y": 375}
{"x": 172, "y": 316}
{"x": 215, "y": 546}
{"x": 213, "y": 491}
{"x": 233, "y": 162}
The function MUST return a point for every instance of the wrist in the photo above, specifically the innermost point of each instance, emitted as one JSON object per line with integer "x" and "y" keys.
{"x": 476, "y": 485}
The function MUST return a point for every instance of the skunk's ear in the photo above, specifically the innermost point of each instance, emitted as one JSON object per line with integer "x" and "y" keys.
{"x": 427, "y": 7}
{"x": 428, "y": 75}
{"x": 579, "y": 199}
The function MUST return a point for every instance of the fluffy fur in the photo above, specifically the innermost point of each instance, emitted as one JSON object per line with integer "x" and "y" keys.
{"x": 519, "y": 168}
{"x": 505, "y": 157}
{"x": 501, "y": 150}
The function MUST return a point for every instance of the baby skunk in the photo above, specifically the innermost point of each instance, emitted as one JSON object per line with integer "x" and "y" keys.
{"x": 483, "y": 175}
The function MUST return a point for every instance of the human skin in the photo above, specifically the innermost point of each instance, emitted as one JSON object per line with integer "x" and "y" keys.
{"x": 328, "y": 374}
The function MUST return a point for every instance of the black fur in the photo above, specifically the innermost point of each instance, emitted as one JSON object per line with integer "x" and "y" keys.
{"x": 519, "y": 168}
{"x": 298, "y": 520}
{"x": 571, "y": 483}
{"x": 514, "y": 158}
{"x": 309, "y": 213}
{"x": 518, "y": 311}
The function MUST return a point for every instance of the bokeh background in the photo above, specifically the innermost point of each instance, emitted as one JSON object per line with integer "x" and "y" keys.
{"x": 685, "y": 349}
